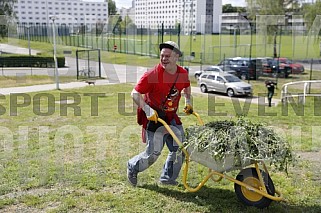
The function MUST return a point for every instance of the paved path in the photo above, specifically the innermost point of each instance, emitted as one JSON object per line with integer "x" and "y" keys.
{"x": 47, "y": 87}
{"x": 252, "y": 100}
{"x": 7, "y": 48}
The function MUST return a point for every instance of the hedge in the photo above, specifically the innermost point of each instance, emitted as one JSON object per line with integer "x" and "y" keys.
{"x": 30, "y": 61}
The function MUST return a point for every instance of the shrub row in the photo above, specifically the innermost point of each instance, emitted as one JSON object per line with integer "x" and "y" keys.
{"x": 30, "y": 61}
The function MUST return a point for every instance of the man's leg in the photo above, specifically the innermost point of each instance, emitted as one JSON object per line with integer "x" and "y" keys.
{"x": 142, "y": 161}
{"x": 174, "y": 159}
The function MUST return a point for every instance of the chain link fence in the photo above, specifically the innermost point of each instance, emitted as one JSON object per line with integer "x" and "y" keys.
{"x": 114, "y": 36}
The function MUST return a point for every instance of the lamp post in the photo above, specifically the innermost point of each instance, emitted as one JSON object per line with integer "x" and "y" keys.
{"x": 53, "y": 18}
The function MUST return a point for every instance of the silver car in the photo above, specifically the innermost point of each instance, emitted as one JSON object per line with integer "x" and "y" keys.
{"x": 224, "y": 83}
{"x": 213, "y": 69}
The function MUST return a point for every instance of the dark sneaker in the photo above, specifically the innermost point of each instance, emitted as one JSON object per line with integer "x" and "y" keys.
{"x": 168, "y": 182}
{"x": 132, "y": 177}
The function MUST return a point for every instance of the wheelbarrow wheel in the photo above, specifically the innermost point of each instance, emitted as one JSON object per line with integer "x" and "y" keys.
{"x": 250, "y": 177}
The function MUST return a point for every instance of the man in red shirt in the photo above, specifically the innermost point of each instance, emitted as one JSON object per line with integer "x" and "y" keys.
{"x": 158, "y": 93}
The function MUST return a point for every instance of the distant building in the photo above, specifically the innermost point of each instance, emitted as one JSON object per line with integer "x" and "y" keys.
{"x": 231, "y": 21}
{"x": 237, "y": 21}
{"x": 194, "y": 16}
{"x": 68, "y": 12}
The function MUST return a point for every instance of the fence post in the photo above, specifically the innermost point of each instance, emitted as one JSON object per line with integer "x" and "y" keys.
{"x": 162, "y": 32}
{"x": 99, "y": 63}
{"x": 201, "y": 61}
{"x": 77, "y": 65}
{"x": 311, "y": 65}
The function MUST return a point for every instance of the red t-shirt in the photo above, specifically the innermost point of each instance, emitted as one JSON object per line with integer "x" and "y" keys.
{"x": 156, "y": 85}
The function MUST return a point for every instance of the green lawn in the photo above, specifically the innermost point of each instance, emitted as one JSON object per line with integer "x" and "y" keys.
{"x": 58, "y": 158}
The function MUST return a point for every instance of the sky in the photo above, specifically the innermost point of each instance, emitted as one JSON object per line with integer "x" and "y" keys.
{"x": 128, "y": 3}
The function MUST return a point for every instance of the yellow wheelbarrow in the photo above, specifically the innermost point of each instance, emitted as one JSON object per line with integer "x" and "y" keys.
{"x": 253, "y": 185}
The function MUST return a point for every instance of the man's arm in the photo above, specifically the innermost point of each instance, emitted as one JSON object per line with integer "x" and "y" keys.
{"x": 138, "y": 98}
{"x": 187, "y": 94}
{"x": 188, "y": 109}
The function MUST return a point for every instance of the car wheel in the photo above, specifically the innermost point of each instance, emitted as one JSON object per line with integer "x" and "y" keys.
{"x": 203, "y": 88}
{"x": 230, "y": 92}
{"x": 197, "y": 76}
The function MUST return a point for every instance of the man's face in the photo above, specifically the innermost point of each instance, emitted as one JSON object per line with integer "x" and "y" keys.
{"x": 168, "y": 58}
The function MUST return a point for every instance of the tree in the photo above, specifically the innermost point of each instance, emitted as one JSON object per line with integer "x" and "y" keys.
{"x": 228, "y": 8}
{"x": 6, "y": 14}
{"x": 99, "y": 28}
{"x": 268, "y": 7}
{"x": 310, "y": 12}
{"x": 127, "y": 23}
{"x": 112, "y": 10}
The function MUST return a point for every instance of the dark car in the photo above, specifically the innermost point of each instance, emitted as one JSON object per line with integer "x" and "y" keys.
{"x": 274, "y": 67}
{"x": 245, "y": 68}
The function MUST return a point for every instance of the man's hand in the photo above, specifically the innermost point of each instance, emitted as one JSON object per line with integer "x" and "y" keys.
{"x": 153, "y": 117}
{"x": 151, "y": 114}
{"x": 188, "y": 109}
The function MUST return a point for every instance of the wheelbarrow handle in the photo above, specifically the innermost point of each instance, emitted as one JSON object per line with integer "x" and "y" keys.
{"x": 170, "y": 131}
{"x": 198, "y": 118}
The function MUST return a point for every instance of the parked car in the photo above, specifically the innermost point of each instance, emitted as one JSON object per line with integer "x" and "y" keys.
{"x": 224, "y": 83}
{"x": 296, "y": 68}
{"x": 213, "y": 69}
{"x": 274, "y": 67}
{"x": 266, "y": 68}
{"x": 246, "y": 68}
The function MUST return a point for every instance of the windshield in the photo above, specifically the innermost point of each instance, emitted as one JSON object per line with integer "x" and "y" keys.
{"x": 232, "y": 78}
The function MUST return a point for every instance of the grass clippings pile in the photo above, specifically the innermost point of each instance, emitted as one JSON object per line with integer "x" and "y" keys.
{"x": 243, "y": 138}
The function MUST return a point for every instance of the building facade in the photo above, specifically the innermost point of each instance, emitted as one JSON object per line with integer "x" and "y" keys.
{"x": 194, "y": 16}
{"x": 68, "y": 12}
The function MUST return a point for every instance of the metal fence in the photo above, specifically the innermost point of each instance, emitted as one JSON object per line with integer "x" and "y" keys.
{"x": 199, "y": 49}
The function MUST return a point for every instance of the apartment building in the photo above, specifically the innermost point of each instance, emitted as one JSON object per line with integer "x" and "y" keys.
{"x": 236, "y": 21}
{"x": 195, "y": 16}
{"x": 68, "y": 12}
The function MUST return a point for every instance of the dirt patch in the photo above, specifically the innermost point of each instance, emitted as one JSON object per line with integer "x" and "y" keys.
{"x": 315, "y": 159}
{"x": 310, "y": 156}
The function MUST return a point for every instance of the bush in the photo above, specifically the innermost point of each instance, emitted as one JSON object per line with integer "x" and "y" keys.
{"x": 30, "y": 61}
